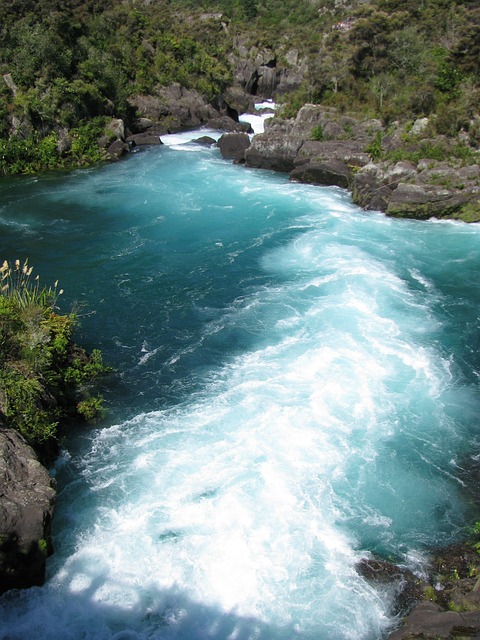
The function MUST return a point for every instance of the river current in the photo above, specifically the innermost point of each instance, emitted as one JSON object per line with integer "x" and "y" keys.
{"x": 296, "y": 388}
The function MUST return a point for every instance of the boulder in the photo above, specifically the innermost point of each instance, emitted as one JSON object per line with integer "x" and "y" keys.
{"x": 406, "y": 587}
{"x": 419, "y": 126}
{"x": 399, "y": 172}
{"x": 425, "y": 201}
{"x": 27, "y": 501}
{"x": 236, "y": 101}
{"x": 350, "y": 152}
{"x": 117, "y": 127}
{"x": 174, "y": 107}
{"x": 117, "y": 149}
{"x": 429, "y": 621}
{"x": 140, "y": 125}
{"x": 225, "y": 123}
{"x": 368, "y": 190}
{"x": 233, "y": 146}
{"x": 334, "y": 173}
{"x": 272, "y": 150}
{"x": 205, "y": 141}
{"x": 147, "y": 138}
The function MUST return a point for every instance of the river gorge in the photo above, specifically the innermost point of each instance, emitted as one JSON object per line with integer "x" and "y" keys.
{"x": 296, "y": 389}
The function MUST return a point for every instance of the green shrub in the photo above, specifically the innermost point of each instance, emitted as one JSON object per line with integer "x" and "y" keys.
{"x": 317, "y": 133}
{"x": 91, "y": 409}
{"x": 375, "y": 146}
{"x": 44, "y": 377}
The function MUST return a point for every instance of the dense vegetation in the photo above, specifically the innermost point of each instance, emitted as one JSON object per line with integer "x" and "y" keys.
{"x": 44, "y": 377}
{"x": 70, "y": 64}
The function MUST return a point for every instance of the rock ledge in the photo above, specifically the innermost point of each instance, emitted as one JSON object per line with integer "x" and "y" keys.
{"x": 27, "y": 502}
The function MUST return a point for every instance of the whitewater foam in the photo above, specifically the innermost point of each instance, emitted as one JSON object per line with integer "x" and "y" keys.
{"x": 293, "y": 392}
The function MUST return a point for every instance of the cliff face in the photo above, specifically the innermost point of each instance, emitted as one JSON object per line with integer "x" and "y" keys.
{"x": 27, "y": 501}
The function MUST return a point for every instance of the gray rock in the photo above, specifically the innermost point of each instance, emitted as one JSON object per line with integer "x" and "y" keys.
{"x": 174, "y": 107}
{"x": 334, "y": 173}
{"x": 225, "y": 123}
{"x": 429, "y": 621}
{"x": 140, "y": 125}
{"x": 419, "y": 126}
{"x": 368, "y": 189}
{"x": 233, "y": 146}
{"x": 117, "y": 149}
{"x": 272, "y": 150}
{"x": 238, "y": 100}
{"x": 205, "y": 141}
{"x": 425, "y": 201}
{"x": 7, "y": 77}
{"x": 117, "y": 127}
{"x": 27, "y": 501}
{"x": 64, "y": 143}
{"x": 350, "y": 152}
{"x": 147, "y": 138}
{"x": 400, "y": 172}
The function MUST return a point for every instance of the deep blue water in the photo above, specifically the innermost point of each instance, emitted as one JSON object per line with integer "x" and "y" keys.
{"x": 296, "y": 387}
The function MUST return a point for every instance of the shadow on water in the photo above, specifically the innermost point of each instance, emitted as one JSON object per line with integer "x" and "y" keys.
{"x": 81, "y": 600}
{"x": 149, "y": 613}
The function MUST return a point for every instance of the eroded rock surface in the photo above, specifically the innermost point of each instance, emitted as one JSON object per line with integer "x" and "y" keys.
{"x": 27, "y": 501}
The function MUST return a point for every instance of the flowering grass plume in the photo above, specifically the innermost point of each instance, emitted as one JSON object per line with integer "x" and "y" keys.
{"x": 17, "y": 283}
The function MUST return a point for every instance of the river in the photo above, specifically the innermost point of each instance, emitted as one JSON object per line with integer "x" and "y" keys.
{"x": 296, "y": 388}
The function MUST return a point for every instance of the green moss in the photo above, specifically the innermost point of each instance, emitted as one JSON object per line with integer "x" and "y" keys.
{"x": 43, "y": 546}
{"x": 429, "y": 593}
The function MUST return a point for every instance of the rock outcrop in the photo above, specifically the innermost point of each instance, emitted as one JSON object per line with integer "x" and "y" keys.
{"x": 443, "y": 605}
{"x": 173, "y": 108}
{"x": 27, "y": 500}
{"x": 276, "y": 151}
{"x": 261, "y": 71}
{"x": 233, "y": 146}
{"x": 430, "y": 622}
{"x": 321, "y": 146}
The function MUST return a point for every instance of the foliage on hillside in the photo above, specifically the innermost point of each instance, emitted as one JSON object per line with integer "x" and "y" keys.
{"x": 399, "y": 60}
{"x": 44, "y": 377}
{"x": 67, "y": 63}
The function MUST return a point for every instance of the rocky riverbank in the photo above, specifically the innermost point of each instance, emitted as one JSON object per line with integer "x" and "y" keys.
{"x": 398, "y": 169}
{"x": 27, "y": 502}
{"x": 445, "y": 604}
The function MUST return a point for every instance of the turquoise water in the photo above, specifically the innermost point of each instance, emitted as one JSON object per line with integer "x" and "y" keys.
{"x": 296, "y": 388}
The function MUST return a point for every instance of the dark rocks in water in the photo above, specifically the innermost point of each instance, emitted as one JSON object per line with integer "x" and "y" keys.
{"x": 142, "y": 139}
{"x": 367, "y": 192}
{"x": 273, "y": 150}
{"x": 117, "y": 149}
{"x": 235, "y": 101}
{"x": 424, "y": 201}
{"x": 322, "y": 146}
{"x": 233, "y": 146}
{"x": 205, "y": 141}
{"x": 406, "y": 587}
{"x": 334, "y": 173}
{"x": 430, "y": 622}
{"x": 450, "y": 604}
{"x": 225, "y": 123}
{"x": 27, "y": 501}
